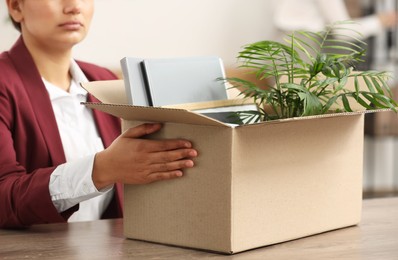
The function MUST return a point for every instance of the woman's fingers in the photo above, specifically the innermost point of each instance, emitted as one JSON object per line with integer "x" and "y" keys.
{"x": 160, "y": 176}
{"x": 141, "y": 130}
{"x": 171, "y": 166}
{"x": 153, "y": 145}
{"x": 134, "y": 160}
{"x": 172, "y": 155}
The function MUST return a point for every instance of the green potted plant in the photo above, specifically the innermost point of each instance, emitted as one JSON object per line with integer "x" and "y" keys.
{"x": 310, "y": 74}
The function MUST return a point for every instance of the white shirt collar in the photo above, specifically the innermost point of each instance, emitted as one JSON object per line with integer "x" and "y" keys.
{"x": 78, "y": 76}
{"x": 74, "y": 90}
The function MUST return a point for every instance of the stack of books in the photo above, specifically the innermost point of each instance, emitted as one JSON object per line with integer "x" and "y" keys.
{"x": 180, "y": 82}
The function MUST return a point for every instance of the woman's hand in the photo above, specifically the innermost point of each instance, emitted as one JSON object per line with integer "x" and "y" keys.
{"x": 131, "y": 160}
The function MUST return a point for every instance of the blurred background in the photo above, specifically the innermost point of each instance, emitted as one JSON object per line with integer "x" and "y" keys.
{"x": 173, "y": 28}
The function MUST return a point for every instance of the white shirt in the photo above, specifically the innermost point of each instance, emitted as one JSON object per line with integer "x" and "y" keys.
{"x": 71, "y": 183}
{"x": 314, "y": 15}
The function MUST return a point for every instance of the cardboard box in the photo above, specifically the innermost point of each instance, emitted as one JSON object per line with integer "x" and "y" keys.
{"x": 383, "y": 124}
{"x": 253, "y": 185}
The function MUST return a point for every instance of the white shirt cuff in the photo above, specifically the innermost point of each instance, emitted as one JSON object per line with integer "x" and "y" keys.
{"x": 71, "y": 183}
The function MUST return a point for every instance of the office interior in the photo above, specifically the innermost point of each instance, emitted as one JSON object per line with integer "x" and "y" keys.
{"x": 178, "y": 28}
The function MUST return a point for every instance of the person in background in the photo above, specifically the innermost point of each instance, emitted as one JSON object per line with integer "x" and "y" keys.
{"x": 60, "y": 161}
{"x": 314, "y": 15}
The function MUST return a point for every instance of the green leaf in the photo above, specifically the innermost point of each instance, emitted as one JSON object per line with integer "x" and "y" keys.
{"x": 377, "y": 85}
{"x": 361, "y": 101}
{"x": 329, "y": 103}
{"x": 369, "y": 84}
{"x": 346, "y": 103}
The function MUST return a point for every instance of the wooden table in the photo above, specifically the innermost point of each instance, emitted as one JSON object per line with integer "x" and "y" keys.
{"x": 375, "y": 238}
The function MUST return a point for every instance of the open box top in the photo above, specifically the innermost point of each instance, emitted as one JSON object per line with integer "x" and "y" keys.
{"x": 114, "y": 101}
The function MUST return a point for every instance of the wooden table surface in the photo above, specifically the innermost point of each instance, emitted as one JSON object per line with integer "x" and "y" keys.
{"x": 375, "y": 238}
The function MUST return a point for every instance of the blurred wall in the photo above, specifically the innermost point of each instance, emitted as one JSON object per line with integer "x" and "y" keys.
{"x": 158, "y": 28}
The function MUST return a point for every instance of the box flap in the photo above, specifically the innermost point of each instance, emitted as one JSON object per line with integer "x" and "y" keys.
{"x": 155, "y": 114}
{"x": 107, "y": 91}
{"x": 336, "y": 114}
{"x": 112, "y": 94}
{"x": 213, "y": 104}
{"x": 174, "y": 115}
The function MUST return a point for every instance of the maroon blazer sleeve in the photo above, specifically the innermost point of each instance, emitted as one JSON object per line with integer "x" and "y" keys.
{"x": 30, "y": 145}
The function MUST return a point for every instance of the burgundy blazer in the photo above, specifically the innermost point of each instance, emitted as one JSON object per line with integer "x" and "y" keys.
{"x": 30, "y": 145}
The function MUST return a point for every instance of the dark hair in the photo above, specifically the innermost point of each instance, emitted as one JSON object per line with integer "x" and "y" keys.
{"x": 15, "y": 24}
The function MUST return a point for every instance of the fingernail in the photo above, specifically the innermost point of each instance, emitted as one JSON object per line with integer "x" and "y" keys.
{"x": 189, "y": 164}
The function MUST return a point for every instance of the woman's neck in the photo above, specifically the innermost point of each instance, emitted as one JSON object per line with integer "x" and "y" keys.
{"x": 55, "y": 71}
{"x": 53, "y": 65}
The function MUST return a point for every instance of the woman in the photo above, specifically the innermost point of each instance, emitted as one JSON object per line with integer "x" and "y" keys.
{"x": 53, "y": 165}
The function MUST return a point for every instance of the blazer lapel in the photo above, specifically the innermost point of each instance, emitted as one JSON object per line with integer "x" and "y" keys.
{"x": 105, "y": 124}
{"x": 109, "y": 127}
{"x": 40, "y": 100}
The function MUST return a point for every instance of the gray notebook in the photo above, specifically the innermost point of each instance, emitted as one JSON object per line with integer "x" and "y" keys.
{"x": 134, "y": 81}
{"x": 174, "y": 80}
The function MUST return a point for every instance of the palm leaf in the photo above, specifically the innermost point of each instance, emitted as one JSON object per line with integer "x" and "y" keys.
{"x": 316, "y": 66}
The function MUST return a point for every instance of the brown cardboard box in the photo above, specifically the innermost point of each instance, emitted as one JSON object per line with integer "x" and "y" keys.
{"x": 253, "y": 185}
{"x": 383, "y": 124}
